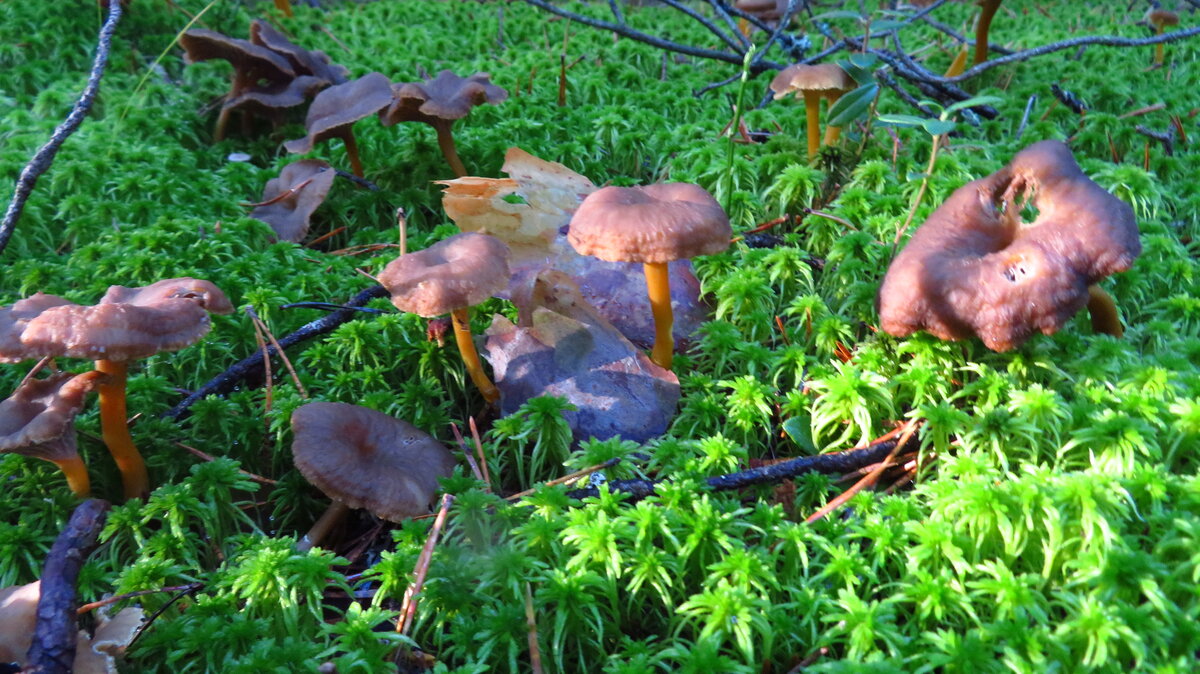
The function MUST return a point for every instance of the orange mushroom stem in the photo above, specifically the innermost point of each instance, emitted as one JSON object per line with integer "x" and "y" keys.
{"x": 114, "y": 428}
{"x": 832, "y": 133}
{"x": 812, "y": 111}
{"x": 352, "y": 152}
{"x": 658, "y": 287}
{"x": 988, "y": 10}
{"x": 76, "y": 474}
{"x": 959, "y": 65}
{"x": 329, "y": 519}
{"x": 445, "y": 139}
{"x": 1103, "y": 311}
{"x": 466, "y": 348}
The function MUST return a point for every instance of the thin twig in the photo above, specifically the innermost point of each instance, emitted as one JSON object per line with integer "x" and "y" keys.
{"x": 535, "y": 653}
{"x": 45, "y": 155}
{"x": 209, "y": 457}
{"x": 261, "y": 325}
{"x": 408, "y": 607}
{"x": 86, "y": 608}
{"x": 1025, "y": 117}
{"x": 462, "y": 444}
{"x": 251, "y": 366}
{"x": 867, "y": 480}
{"x": 566, "y": 478}
{"x": 487, "y": 478}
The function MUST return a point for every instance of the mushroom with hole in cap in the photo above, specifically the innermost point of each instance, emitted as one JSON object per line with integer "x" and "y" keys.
{"x": 654, "y": 225}
{"x": 335, "y": 110}
{"x": 450, "y": 277}
{"x": 38, "y": 420}
{"x": 973, "y": 268}
{"x": 814, "y": 82}
{"x": 439, "y": 102}
{"x": 127, "y": 323}
{"x": 365, "y": 459}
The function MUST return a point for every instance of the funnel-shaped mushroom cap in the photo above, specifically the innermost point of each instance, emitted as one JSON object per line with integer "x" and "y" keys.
{"x": 127, "y": 323}
{"x": 38, "y": 418}
{"x": 289, "y": 200}
{"x": 824, "y": 78}
{"x": 276, "y": 96}
{"x": 445, "y": 97}
{"x": 367, "y": 459}
{"x": 456, "y": 273}
{"x": 18, "y": 617}
{"x": 250, "y": 61}
{"x": 1160, "y": 18}
{"x": 768, "y": 10}
{"x": 655, "y": 223}
{"x": 335, "y": 109}
{"x": 973, "y": 268}
{"x": 303, "y": 61}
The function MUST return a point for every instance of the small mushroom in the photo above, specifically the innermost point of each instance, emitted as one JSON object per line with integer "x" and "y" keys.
{"x": 128, "y": 323}
{"x": 825, "y": 80}
{"x": 251, "y": 63}
{"x": 365, "y": 459}
{"x": 654, "y": 225}
{"x": 1161, "y": 19}
{"x": 440, "y": 101}
{"x": 973, "y": 268}
{"x": 335, "y": 110}
{"x": 289, "y": 200}
{"x": 450, "y": 277}
{"x": 38, "y": 420}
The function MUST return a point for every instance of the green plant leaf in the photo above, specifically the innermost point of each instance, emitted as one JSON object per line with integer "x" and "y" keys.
{"x": 853, "y": 105}
{"x": 972, "y": 102}
{"x": 799, "y": 429}
{"x": 901, "y": 120}
{"x": 837, "y": 14}
{"x": 938, "y": 127}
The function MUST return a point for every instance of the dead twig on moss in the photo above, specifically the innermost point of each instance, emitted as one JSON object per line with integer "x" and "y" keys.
{"x": 45, "y": 155}
{"x": 251, "y": 366}
{"x": 834, "y": 463}
{"x": 53, "y": 648}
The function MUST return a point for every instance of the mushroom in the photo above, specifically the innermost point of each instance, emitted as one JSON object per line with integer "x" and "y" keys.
{"x": 1161, "y": 19}
{"x": 450, "y": 277}
{"x": 289, "y": 200}
{"x": 361, "y": 458}
{"x": 272, "y": 100}
{"x": 126, "y": 324}
{"x": 38, "y": 420}
{"x": 250, "y": 62}
{"x": 654, "y": 225}
{"x": 92, "y": 653}
{"x": 335, "y": 110}
{"x": 973, "y": 268}
{"x": 825, "y": 80}
{"x": 440, "y": 101}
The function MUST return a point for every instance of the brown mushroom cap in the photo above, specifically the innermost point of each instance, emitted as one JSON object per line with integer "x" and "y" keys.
{"x": 276, "y": 96}
{"x": 18, "y": 617}
{"x": 38, "y": 418}
{"x": 250, "y": 61}
{"x": 455, "y": 273}
{"x": 128, "y": 323}
{"x": 367, "y": 459}
{"x": 289, "y": 200}
{"x": 824, "y": 78}
{"x": 768, "y": 10}
{"x": 1160, "y": 18}
{"x": 445, "y": 97}
{"x": 973, "y": 268}
{"x": 303, "y": 61}
{"x": 654, "y": 223}
{"x": 338, "y": 107}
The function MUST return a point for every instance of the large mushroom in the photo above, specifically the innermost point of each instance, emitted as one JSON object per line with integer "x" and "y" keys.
{"x": 654, "y": 225}
{"x": 814, "y": 82}
{"x": 38, "y": 420}
{"x": 450, "y": 277}
{"x": 365, "y": 459}
{"x": 128, "y": 323}
{"x": 335, "y": 110}
{"x": 440, "y": 101}
{"x": 973, "y": 268}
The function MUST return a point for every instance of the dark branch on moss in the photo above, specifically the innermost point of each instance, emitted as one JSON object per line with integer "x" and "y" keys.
{"x": 53, "y": 648}
{"x": 837, "y": 462}
{"x": 45, "y": 155}
{"x": 251, "y": 366}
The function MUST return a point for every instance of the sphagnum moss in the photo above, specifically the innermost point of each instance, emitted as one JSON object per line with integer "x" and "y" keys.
{"x": 1057, "y": 526}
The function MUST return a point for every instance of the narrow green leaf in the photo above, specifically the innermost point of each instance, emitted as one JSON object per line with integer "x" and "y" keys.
{"x": 837, "y": 14}
{"x": 974, "y": 101}
{"x": 901, "y": 120}
{"x": 938, "y": 127}
{"x": 853, "y": 105}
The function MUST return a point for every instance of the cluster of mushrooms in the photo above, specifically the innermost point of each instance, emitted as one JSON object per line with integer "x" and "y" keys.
{"x": 126, "y": 324}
